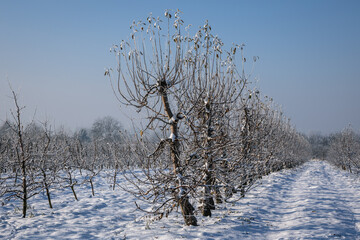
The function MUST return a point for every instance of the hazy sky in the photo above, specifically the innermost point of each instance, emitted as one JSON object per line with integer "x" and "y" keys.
{"x": 54, "y": 54}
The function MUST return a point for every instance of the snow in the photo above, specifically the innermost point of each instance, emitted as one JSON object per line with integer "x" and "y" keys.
{"x": 172, "y": 120}
{"x": 314, "y": 201}
{"x": 172, "y": 137}
{"x": 317, "y": 201}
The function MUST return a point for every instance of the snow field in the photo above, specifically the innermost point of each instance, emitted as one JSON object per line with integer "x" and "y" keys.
{"x": 314, "y": 201}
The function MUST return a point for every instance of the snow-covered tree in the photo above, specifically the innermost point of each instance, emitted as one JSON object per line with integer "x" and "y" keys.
{"x": 214, "y": 134}
{"x": 344, "y": 150}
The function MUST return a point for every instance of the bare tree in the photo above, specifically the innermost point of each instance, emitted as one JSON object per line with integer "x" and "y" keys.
{"x": 344, "y": 150}
{"x": 45, "y": 164}
{"x": 214, "y": 85}
{"x": 211, "y": 130}
{"x": 106, "y": 129}
{"x": 152, "y": 82}
{"x": 21, "y": 181}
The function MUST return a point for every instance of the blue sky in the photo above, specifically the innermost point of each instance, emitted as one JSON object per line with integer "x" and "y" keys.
{"x": 54, "y": 54}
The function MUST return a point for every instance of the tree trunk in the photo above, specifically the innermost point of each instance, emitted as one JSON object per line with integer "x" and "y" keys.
{"x": 188, "y": 212}
{"x": 47, "y": 188}
{"x": 24, "y": 197}
{"x": 208, "y": 200}
{"x": 73, "y": 191}
{"x": 218, "y": 195}
{"x": 24, "y": 186}
{"x": 182, "y": 199}
{"x": 208, "y": 204}
{"x": 115, "y": 175}
{"x": 92, "y": 187}
{"x": 48, "y": 195}
{"x": 72, "y": 187}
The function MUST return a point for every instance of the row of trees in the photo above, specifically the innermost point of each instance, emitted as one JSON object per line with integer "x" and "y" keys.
{"x": 215, "y": 134}
{"x": 344, "y": 150}
{"x": 208, "y": 134}
{"x": 319, "y": 145}
{"x": 35, "y": 158}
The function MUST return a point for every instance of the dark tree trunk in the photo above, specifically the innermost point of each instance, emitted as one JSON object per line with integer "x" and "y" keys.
{"x": 48, "y": 195}
{"x": 24, "y": 198}
{"x": 187, "y": 211}
{"x": 182, "y": 199}
{"x": 46, "y": 186}
{"x": 73, "y": 191}
{"x": 208, "y": 200}
{"x": 72, "y": 184}
{"x": 24, "y": 186}
{"x": 92, "y": 187}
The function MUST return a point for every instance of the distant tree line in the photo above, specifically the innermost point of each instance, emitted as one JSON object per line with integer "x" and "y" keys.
{"x": 320, "y": 145}
{"x": 341, "y": 149}
{"x": 36, "y": 158}
{"x": 344, "y": 150}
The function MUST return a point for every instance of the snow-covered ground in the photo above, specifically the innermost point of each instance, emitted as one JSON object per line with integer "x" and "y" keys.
{"x": 315, "y": 201}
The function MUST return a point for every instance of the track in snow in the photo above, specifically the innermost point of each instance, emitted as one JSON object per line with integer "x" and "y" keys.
{"x": 315, "y": 201}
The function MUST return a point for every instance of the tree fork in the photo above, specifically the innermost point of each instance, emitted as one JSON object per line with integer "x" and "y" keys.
{"x": 186, "y": 208}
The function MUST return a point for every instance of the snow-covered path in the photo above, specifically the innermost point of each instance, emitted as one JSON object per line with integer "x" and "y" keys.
{"x": 314, "y": 201}
{"x": 318, "y": 203}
